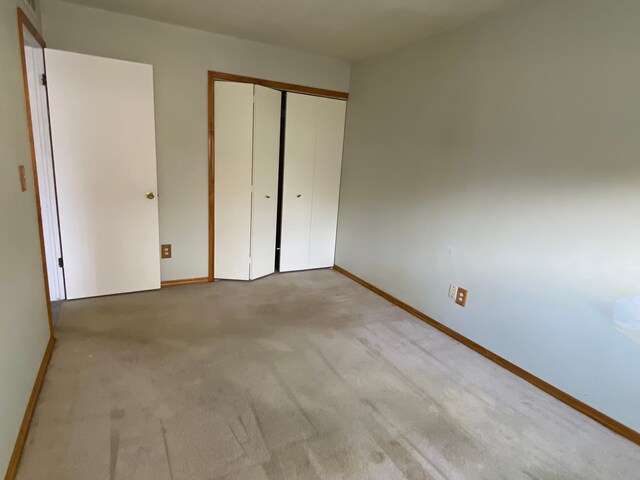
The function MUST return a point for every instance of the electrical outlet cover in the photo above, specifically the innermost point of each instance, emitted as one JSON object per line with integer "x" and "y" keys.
{"x": 165, "y": 250}
{"x": 461, "y": 297}
{"x": 452, "y": 291}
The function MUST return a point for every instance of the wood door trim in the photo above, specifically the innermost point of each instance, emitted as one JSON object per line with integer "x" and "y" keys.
{"x": 286, "y": 87}
{"x": 211, "y": 78}
{"x": 564, "y": 397}
{"x": 14, "y": 461}
{"x": 24, "y": 22}
{"x": 184, "y": 281}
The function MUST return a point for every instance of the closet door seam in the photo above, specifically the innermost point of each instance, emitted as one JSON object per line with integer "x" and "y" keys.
{"x": 253, "y": 166}
{"x": 313, "y": 178}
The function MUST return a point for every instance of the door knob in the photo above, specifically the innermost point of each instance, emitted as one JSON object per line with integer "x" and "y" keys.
{"x": 151, "y": 195}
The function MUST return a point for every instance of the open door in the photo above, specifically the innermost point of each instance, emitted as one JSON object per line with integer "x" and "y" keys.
{"x": 39, "y": 108}
{"x": 103, "y": 132}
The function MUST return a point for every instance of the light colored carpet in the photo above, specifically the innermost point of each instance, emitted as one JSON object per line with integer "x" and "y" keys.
{"x": 295, "y": 376}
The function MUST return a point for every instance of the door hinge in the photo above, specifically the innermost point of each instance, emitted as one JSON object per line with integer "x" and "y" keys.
{"x": 43, "y": 79}
{"x": 60, "y": 262}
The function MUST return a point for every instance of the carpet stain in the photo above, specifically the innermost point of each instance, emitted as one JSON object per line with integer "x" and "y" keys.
{"x": 114, "y": 447}
{"x": 166, "y": 448}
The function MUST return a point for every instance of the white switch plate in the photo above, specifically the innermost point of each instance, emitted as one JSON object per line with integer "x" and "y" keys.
{"x": 453, "y": 289}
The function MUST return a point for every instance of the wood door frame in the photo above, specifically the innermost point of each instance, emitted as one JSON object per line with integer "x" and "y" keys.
{"x": 283, "y": 87}
{"x": 25, "y": 22}
{"x": 16, "y": 454}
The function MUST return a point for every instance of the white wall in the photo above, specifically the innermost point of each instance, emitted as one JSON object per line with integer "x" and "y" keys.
{"x": 24, "y": 329}
{"x": 504, "y": 156}
{"x": 181, "y": 58}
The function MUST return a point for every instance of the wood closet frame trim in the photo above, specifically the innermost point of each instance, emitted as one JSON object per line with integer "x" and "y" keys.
{"x": 14, "y": 460}
{"x": 284, "y": 87}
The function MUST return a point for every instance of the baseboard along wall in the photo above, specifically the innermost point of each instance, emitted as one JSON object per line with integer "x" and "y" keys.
{"x": 564, "y": 397}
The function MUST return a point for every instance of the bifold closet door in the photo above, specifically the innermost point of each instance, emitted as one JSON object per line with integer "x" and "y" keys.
{"x": 246, "y": 157}
{"x": 297, "y": 191}
{"x": 233, "y": 139}
{"x": 103, "y": 132}
{"x": 267, "y": 109}
{"x": 326, "y": 182}
{"x": 314, "y": 136}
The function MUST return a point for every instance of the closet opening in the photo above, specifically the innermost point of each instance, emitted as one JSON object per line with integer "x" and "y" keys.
{"x": 283, "y": 120}
{"x": 275, "y": 152}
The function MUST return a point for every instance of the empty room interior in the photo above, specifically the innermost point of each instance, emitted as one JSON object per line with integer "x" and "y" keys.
{"x": 320, "y": 239}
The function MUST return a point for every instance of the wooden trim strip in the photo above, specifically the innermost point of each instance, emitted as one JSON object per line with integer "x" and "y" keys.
{"x": 184, "y": 281}
{"x": 287, "y": 87}
{"x": 573, "y": 402}
{"x": 23, "y": 21}
{"x": 14, "y": 462}
{"x": 212, "y": 173}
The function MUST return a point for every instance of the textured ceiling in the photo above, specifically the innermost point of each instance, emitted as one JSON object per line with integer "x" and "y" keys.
{"x": 347, "y": 29}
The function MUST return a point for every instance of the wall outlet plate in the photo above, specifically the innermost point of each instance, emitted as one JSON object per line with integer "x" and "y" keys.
{"x": 461, "y": 297}
{"x": 165, "y": 250}
{"x": 453, "y": 289}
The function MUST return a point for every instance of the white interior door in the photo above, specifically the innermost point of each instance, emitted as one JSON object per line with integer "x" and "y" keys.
{"x": 299, "y": 157}
{"x": 233, "y": 144}
{"x": 34, "y": 55}
{"x": 103, "y": 132}
{"x": 266, "y": 153}
{"x": 326, "y": 182}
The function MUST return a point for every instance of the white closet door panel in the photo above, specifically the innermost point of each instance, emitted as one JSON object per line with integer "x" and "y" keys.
{"x": 233, "y": 139}
{"x": 103, "y": 132}
{"x": 326, "y": 181}
{"x": 266, "y": 153}
{"x": 299, "y": 155}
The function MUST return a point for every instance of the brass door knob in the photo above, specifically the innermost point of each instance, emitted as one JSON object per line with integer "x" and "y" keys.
{"x": 151, "y": 195}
